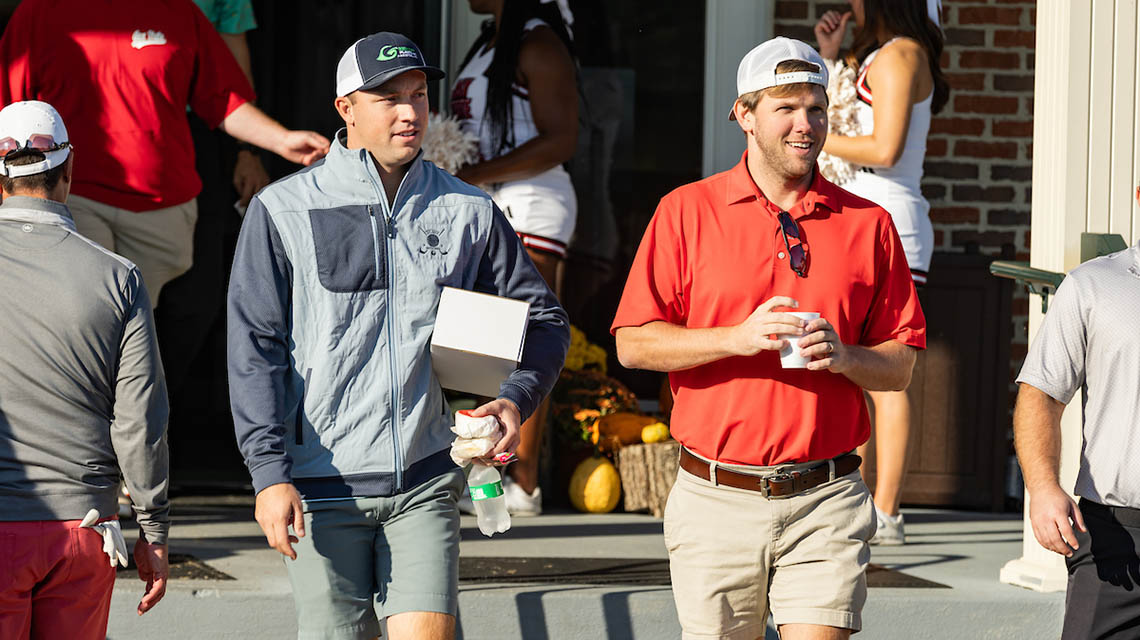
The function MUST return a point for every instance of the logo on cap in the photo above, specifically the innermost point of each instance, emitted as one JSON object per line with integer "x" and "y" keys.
{"x": 393, "y": 51}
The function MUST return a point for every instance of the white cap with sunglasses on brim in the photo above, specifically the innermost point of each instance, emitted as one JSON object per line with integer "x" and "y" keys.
{"x": 32, "y": 126}
{"x": 757, "y": 69}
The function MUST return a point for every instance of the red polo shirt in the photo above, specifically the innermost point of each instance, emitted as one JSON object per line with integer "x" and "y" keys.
{"x": 712, "y": 254}
{"x": 121, "y": 73}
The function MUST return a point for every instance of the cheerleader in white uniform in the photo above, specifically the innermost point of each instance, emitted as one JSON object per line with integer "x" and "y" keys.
{"x": 896, "y": 50}
{"x": 518, "y": 92}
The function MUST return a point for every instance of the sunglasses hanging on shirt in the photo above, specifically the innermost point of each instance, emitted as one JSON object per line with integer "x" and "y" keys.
{"x": 797, "y": 254}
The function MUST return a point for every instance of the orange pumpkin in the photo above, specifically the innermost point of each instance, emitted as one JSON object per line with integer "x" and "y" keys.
{"x": 615, "y": 430}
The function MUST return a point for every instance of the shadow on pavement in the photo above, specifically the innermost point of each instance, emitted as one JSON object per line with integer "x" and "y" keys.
{"x": 571, "y": 530}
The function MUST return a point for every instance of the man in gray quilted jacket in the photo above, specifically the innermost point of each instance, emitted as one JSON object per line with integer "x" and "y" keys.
{"x": 332, "y": 300}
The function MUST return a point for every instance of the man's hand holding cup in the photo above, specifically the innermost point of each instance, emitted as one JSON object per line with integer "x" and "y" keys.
{"x": 822, "y": 347}
{"x": 768, "y": 330}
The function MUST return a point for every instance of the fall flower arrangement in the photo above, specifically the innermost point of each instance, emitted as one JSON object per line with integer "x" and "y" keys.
{"x": 583, "y": 354}
{"x": 584, "y": 393}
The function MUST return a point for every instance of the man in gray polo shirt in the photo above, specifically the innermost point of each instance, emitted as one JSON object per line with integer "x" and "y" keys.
{"x": 82, "y": 398}
{"x": 1089, "y": 340}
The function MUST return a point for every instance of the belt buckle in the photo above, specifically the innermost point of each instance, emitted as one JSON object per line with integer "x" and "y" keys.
{"x": 780, "y": 477}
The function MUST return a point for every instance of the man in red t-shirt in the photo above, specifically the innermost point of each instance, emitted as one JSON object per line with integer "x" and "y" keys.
{"x": 769, "y": 511}
{"x": 121, "y": 73}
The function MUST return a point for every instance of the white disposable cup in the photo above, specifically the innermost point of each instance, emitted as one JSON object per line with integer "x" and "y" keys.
{"x": 790, "y": 357}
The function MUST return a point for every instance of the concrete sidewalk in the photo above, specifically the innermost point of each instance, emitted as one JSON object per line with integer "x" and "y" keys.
{"x": 961, "y": 550}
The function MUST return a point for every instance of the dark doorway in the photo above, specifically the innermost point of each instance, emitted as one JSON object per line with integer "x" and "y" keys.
{"x": 641, "y": 137}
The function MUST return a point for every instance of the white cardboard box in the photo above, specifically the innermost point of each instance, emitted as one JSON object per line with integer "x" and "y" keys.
{"x": 478, "y": 340}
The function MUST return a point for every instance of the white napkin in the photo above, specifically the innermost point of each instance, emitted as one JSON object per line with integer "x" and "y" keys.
{"x": 113, "y": 543}
{"x": 475, "y": 437}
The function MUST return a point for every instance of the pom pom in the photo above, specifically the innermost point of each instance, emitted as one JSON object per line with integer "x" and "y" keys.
{"x": 841, "y": 120}
{"x": 447, "y": 146}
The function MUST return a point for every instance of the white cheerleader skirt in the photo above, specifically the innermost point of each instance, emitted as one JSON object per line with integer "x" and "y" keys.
{"x": 542, "y": 209}
{"x": 909, "y": 211}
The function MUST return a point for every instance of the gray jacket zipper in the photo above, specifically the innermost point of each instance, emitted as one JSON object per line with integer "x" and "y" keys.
{"x": 393, "y": 346}
{"x": 375, "y": 241}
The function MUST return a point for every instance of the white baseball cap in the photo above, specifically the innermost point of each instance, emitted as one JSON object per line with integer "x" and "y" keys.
{"x": 36, "y": 126}
{"x": 757, "y": 68}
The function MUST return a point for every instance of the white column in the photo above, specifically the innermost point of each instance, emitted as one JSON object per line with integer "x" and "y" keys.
{"x": 460, "y": 28}
{"x": 732, "y": 28}
{"x": 1061, "y": 162}
{"x": 1086, "y": 152}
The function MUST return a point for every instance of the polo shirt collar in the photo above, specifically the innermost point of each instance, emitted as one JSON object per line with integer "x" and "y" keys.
{"x": 742, "y": 187}
{"x": 36, "y": 211}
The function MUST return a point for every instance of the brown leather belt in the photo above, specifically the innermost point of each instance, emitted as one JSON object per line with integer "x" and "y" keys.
{"x": 777, "y": 485}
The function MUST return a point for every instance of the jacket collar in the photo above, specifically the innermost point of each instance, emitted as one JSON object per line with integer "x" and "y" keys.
{"x": 340, "y": 156}
{"x": 742, "y": 187}
{"x": 36, "y": 211}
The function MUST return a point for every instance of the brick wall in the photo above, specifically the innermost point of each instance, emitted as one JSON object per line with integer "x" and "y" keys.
{"x": 980, "y": 149}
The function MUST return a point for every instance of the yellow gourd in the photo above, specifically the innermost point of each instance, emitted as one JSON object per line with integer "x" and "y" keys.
{"x": 595, "y": 486}
{"x": 656, "y": 432}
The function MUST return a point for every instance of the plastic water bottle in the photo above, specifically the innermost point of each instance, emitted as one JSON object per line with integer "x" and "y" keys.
{"x": 486, "y": 486}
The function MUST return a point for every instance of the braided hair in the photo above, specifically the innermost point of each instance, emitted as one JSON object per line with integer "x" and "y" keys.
{"x": 504, "y": 65}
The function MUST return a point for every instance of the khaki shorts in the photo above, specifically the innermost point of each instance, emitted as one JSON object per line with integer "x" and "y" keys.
{"x": 159, "y": 242}
{"x": 734, "y": 554}
{"x": 364, "y": 559}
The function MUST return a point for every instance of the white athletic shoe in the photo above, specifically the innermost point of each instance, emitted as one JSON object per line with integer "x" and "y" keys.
{"x": 890, "y": 531}
{"x": 519, "y": 502}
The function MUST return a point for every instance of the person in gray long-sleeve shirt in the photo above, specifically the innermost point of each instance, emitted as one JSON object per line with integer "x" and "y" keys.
{"x": 82, "y": 398}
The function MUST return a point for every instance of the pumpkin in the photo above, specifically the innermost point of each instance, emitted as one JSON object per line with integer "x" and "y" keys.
{"x": 613, "y": 430}
{"x": 656, "y": 432}
{"x": 595, "y": 486}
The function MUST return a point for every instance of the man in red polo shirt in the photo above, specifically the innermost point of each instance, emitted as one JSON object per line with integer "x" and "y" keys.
{"x": 769, "y": 511}
{"x": 121, "y": 73}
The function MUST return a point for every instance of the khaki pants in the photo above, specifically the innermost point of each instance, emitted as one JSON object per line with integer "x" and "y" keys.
{"x": 734, "y": 554}
{"x": 159, "y": 242}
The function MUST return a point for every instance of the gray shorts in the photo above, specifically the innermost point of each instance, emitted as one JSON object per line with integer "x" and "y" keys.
{"x": 364, "y": 559}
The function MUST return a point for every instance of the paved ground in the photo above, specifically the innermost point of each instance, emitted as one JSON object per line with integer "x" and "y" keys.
{"x": 962, "y": 550}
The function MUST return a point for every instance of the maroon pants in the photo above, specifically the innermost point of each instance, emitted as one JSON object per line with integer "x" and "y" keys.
{"x": 55, "y": 581}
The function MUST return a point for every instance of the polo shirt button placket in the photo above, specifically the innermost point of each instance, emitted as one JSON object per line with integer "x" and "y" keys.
{"x": 781, "y": 255}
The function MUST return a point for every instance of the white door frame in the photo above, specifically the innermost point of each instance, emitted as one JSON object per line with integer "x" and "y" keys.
{"x": 732, "y": 29}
